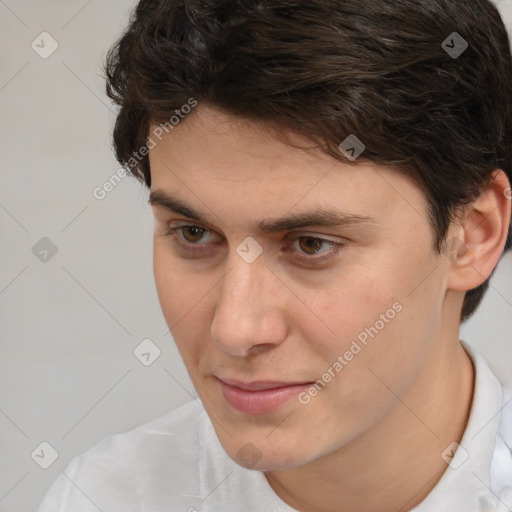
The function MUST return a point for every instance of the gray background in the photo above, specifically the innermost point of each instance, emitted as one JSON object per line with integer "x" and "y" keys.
{"x": 70, "y": 325}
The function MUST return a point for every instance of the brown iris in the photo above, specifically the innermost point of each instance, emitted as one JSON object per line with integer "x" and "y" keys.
{"x": 309, "y": 243}
{"x": 195, "y": 231}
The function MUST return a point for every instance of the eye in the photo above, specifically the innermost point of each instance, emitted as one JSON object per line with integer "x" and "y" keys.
{"x": 188, "y": 237}
{"x": 191, "y": 234}
{"x": 310, "y": 246}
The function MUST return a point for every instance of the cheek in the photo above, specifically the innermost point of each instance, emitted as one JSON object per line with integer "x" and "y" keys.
{"x": 382, "y": 317}
{"x": 183, "y": 297}
{"x": 167, "y": 281}
{"x": 345, "y": 306}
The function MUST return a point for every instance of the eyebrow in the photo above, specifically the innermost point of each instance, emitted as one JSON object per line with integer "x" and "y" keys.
{"x": 317, "y": 217}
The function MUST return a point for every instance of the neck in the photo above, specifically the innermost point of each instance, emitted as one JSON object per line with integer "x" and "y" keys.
{"x": 394, "y": 465}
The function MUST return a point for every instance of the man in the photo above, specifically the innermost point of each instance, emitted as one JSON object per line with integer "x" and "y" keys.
{"x": 330, "y": 182}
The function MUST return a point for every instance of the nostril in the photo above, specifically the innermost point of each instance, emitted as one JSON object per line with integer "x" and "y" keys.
{"x": 261, "y": 347}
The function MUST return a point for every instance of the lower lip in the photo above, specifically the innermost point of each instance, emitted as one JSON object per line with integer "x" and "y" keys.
{"x": 259, "y": 402}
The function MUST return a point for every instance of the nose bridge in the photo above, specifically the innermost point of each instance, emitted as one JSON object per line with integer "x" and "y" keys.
{"x": 247, "y": 311}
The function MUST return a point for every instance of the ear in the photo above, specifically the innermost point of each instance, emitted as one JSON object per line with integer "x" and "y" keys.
{"x": 477, "y": 241}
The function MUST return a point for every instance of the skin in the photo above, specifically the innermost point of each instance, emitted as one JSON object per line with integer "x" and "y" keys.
{"x": 408, "y": 391}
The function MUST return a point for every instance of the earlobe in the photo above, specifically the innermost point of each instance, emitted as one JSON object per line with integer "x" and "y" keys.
{"x": 478, "y": 241}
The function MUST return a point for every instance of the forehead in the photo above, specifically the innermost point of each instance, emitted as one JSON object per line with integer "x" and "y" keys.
{"x": 213, "y": 160}
{"x": 227, "y": 143}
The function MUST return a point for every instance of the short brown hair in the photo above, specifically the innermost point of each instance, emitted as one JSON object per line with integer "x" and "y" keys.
{"x": 327, "y": 69}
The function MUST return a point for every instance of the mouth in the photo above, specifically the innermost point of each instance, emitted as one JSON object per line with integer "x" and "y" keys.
{"x": 259, "y": 397}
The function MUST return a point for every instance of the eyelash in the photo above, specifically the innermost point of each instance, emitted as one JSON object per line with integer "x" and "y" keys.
{"x": 188, "y": 246}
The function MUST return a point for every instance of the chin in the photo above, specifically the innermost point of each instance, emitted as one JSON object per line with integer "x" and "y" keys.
{"x": 262, "y": 455}
{"x": 274, "y": 463}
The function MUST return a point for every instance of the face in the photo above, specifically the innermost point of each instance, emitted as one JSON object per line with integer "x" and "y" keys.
{"x": 343, "y": 301}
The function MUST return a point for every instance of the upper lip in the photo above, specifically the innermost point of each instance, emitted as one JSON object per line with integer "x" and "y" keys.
{"x": 259, "y": 385}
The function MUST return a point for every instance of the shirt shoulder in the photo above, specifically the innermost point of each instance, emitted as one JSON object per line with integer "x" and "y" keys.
{"x": 174, "y": 462}
{"x": 156, "y": 459}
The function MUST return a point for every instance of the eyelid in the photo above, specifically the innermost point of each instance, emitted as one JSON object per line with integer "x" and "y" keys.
{"x": 320, "y": 236}
{"x": 294, "y": 233}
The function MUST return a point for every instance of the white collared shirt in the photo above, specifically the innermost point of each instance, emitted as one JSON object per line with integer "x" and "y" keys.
{"x": 175, "y": 463}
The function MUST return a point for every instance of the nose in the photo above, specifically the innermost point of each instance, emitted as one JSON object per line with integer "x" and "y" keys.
{"x": 250, "y": 309}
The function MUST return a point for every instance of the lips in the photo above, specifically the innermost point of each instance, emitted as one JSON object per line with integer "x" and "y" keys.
{"x": 259, "y": 397}
{"x": 260, "y": 385}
